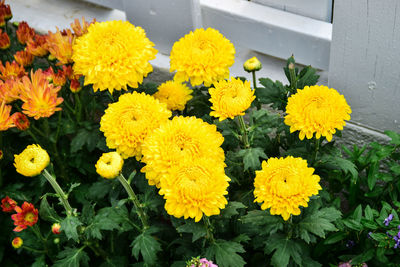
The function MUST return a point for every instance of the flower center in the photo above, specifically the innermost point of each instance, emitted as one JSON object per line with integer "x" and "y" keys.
{"x": 29, "y": 217}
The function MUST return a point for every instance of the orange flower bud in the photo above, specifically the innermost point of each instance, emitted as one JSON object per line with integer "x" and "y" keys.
{"x": 38, "y": 46}
{"x": 1, "y": 154}
{"x": 5, "y": 10}
{"x": 20, "y": 121}
{"x": 17, "y": 242}
{"x": 55, "y": 228}
{"x": 75, "y": 86}
{"x": 24, "y": 58}
{"x": 24, "y": 32}
{"x": 4, "y": 40}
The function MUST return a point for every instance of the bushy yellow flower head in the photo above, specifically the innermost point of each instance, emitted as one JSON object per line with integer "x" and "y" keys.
{"x": 174, "y": 94}
{"x": 112, "y": 55}
{"x": 252, "y": 64}
{"x": 284, "y": 184}
{"x": 31, "y": 161}
{"x": 203, "y": 56}
{"x": 109, "y": 165}
{"x": 127, "y": 122}
{"x": 230, "y": 98}
{"x": 317, "y": 109}
{"x": 187, "y": 138}
{"x": 39, "y": 96}
{"x": 194, "y": 188}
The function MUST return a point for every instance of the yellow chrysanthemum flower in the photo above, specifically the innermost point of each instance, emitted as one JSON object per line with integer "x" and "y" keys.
{"x": 203, "y": 56}
{"x": 127, "y": 122}
{"x": 180, "y": 138}
{"x": 195, "y": 188}
{"x": 39, "y": 96}
{"x": 109, "y": 165}
{"x": 31, "y": 161}
{"x": 230, "y": 98}
{"x": 112, "y": 55}
{"x": 317, "y": 109}
{"x": 284, "y": 184}
{"x": 174, "y": 94}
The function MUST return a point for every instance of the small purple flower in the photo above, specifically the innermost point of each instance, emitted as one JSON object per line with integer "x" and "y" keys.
{"x": 350, "y": 244}
{"x": 344, "y": 264}
{"x": 369, "y": 235}
{"x": 398, "y": 227}
{"x": 388, "y": 220}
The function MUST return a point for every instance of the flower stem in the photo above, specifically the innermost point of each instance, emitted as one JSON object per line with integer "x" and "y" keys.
{"x": 32, "y": 249}
{"x": 33, "y": 136}
{"x": 132, "y": 196}
{"x": 78, "y": 107}
{"x": 63, "y": 197}
{"x": 209, "y": 228}
{"x": 317, "y": 143}
{"x": 243, "y": 129}
{"x": 258, "y": 105}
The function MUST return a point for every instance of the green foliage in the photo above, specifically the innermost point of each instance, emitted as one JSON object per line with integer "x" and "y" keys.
{"x": 72, "y": 257}
{"x": 225, "y": 253}
{"x": 147, "y": 246}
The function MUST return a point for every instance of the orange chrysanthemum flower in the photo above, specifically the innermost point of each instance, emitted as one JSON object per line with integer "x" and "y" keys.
{"x": 24, "y": 58}
{"x": 38, "y": 46}
{"x": 79, "y": 29}
{"x": 317, "y": 109}
{"x": 9, "y": 90}
{"x": 60, "y": 46}
{"x": 4, "y": 40}
{"x": 40, "y": 97}
{"x": 68, "y": 72}
{"x": 26, "y": 216}
{"x": 11, "y": 70}
{"x": 5, "y": 119}
{"x": 8, "y": 204}
{"x": 20, "y": 121}
{"x": 24, "y": 32}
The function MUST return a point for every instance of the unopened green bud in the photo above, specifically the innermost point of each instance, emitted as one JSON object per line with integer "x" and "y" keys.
{"x": 56, "y": 240}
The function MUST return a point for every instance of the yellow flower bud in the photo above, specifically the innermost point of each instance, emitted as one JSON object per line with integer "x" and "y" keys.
{"x": 109, "y": 165}
{"x": 252, "y": 64}
{"x": 17, "y": 242}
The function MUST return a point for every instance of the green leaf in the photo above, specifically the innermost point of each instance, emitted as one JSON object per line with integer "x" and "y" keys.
{"x": 72, "y": 257}
{"x": 320, "y": 221}
{"x": 39, "y": 261}
{"x": 372, "y": 175}
{"x": 343, "y": 164}
{"x": 369, "y": 224}
{"x": 80, "y": 140}
{"x": 378, "y": 236}
{"x": 46, "y": 212}
{"x": 307, "y": 77}
{"x": 395, "y": 137}
{"x": 272, "y": 93}
{"x": 263, "y": 220}
{"x": 353, "y": 224}
{"x": 147, "y": 246}
{"x": 357, "y": 214}
{"x": 364, "y": 257}
{"x": 334, "y": 238}
{"x": 285, "y": 249}
{"x": 231, "y": 209}
{"x": 99, "y": 190}
{"x": 106, "y": 219}
{"x": 251, "y": 157}
{"x": 69, "y": 225}
{"x": 369, "y": 215}
{"x": 226, "y": 254}
{"x": 197, "y": 229}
